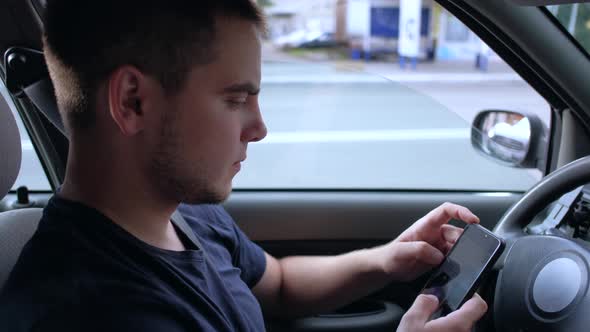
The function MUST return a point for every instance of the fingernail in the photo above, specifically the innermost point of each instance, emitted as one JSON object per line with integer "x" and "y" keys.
{"x": 439, "y": 256}
{"x": 431, "y": 297}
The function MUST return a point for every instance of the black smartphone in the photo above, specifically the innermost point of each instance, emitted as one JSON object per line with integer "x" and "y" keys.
{"x": 457, "y": 278}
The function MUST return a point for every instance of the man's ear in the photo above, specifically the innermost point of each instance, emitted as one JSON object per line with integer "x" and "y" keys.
{"x": 126, "y": 93}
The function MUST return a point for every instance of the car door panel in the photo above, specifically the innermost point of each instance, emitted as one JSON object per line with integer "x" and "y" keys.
{"x": 334, "y": 222}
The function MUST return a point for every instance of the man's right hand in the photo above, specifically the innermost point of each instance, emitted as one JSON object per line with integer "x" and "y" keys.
{"x": 462, "y": 320}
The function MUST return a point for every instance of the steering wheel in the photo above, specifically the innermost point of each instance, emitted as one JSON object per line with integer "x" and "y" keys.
{"x": 542, "y": 284}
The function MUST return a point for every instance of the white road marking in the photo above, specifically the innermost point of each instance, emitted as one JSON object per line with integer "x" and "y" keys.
{"x": 342, "y": 136}
{"x": 393, "y": 78}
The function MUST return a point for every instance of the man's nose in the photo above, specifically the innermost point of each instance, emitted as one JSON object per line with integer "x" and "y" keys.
{"x": 256, "y": 129}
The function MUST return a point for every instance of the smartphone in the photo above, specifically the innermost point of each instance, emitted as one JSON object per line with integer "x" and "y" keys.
{"x": 458, "y": 277}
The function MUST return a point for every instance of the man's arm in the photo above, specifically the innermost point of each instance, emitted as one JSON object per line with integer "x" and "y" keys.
{"x": 301, "y": 285}
{"x": 297, "y": 286}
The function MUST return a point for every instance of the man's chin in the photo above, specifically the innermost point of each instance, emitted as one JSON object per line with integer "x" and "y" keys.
{"x": 211, "y": 196}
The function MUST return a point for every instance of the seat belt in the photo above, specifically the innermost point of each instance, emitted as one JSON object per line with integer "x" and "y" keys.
{"x": 41, "y": 95}
{"x": 27, "y": 76}
{"x": 181, "y": 223}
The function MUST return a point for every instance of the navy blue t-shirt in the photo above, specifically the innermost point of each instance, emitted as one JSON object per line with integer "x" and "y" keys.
{"x": 82, "y": 272}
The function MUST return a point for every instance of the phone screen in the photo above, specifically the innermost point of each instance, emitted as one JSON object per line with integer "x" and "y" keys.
{"x": 455, "y": 280}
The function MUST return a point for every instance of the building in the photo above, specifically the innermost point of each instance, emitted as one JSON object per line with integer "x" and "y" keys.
{"x": 288, "y": 16}
{"x": 373, "y": 26}
{"x": 455, "y": 41}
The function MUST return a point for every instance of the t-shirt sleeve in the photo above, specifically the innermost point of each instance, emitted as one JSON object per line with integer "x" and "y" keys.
{"x": 246, "y": 255}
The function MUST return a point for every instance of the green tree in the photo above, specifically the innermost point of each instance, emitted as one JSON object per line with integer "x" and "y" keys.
{"x": 580, "y": 25}
{"x": 264, "y": 3}
{"x": 582, "y": 33}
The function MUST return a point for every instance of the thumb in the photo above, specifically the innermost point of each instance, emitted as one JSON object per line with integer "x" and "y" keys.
{"x": 419, "y": 313}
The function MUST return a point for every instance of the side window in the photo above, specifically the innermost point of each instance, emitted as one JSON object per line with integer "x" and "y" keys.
{"x": 31, "y": 173}
{"x": 575, "y": 18}
{"x": 357, "y": 96}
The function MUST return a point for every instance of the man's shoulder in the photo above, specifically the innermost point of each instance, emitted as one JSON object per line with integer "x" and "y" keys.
{"x": 29, "y": 312}
{"x": 71, "y": 297}
{"x": 62, "y": 256}
{"x": 35, "y": 288}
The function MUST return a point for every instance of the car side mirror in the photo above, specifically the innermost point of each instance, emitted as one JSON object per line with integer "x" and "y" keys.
{"x": 510, "y": 138}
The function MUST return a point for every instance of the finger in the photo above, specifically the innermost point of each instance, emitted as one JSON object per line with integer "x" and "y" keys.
{"x": 466, "y": 215}
{"x": 420, "y": 251}
{"x": 449, "y": 236}
{"x": 447, "y": 211}
{"x": 465, "y": 317}
{"x": 419, "y": 313}
{"x": 451, "y": 233}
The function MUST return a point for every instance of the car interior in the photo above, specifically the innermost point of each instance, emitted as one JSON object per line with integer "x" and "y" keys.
{"x": 541, "y": 281}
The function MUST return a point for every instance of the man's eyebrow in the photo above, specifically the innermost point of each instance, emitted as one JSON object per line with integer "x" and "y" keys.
{"x": 248, "y": 87}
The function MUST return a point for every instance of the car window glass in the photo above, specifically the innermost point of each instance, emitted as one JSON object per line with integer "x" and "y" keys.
{"x": 31, "y": 172}
{"x": 575, "y": 18}
{"x": 348, "y": 112}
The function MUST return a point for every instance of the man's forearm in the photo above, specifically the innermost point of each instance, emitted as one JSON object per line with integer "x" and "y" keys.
{"x": 312, "y": 284}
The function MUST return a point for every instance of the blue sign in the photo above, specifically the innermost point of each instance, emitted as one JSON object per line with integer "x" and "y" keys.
{"x": 385, "y": 22}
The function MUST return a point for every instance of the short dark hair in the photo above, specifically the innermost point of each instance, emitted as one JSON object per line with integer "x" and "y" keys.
{"x": 85, "y": 41}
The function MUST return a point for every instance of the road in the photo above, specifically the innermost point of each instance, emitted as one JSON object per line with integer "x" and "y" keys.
{"x": 330, "y": 128}
{"x": 334, "y": 127}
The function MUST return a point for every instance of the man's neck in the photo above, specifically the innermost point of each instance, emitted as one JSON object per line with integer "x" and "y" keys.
{"x": 127, "y": 200}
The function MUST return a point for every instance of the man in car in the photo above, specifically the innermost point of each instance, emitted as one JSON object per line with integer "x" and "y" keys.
{"x": 160, "y": 99}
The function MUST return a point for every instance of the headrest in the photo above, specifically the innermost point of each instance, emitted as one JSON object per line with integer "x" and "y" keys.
{"x": 10, "y": 149}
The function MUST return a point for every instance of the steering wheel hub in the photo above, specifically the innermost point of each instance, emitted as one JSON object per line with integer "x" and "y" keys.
{"x": 543, "y": 286}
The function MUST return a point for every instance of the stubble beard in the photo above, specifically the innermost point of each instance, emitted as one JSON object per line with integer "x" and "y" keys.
{"x": 176, "y": 178}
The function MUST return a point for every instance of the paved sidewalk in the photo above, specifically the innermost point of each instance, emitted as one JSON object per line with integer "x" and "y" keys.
{"x": 281, "y": 67}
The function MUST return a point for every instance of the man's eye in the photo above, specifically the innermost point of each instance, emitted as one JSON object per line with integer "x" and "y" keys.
{"x": 237, "y": 102}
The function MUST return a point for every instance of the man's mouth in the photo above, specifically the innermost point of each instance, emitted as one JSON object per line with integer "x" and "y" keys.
{"x": 238, "y": 164}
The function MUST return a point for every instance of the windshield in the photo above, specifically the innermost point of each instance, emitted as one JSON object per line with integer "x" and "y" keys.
{"x": 575, "y": 18}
